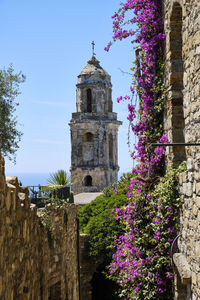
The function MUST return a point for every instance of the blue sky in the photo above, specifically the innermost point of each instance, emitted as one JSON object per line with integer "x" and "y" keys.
{"x": 50, "y": 42}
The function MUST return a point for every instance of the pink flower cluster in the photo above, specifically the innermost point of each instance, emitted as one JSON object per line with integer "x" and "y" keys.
{"x": 133, "y": 264}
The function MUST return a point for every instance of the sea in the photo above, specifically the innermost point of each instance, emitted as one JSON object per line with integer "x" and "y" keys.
{"x": 31, "y": 179}
{"x": 35, "y": 179}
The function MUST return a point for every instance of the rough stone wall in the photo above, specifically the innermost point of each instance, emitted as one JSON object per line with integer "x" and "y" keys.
{"x": 87, "y": 269}
{"x": 182, "y": 124}
{"x": 36, "y": 261}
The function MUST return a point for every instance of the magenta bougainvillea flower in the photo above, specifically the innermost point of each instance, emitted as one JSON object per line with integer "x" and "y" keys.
{"x": 141, "y": 264}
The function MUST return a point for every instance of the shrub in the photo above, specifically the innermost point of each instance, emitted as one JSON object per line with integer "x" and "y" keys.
{"x": 98, "y": 221}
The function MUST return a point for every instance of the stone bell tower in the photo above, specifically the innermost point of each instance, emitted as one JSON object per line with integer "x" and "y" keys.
{"x": 94, "y": 130}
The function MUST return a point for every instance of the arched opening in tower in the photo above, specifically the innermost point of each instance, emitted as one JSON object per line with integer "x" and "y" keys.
{"x": 88, "y": 181}
{"x": 89, "y": 100}
{"x": 110, "y": 148}
{"x": 176, "y": 83}
{"x": 88, "y": 137}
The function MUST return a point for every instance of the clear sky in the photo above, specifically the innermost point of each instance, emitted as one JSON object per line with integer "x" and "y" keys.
{"x": 50, "y": 42}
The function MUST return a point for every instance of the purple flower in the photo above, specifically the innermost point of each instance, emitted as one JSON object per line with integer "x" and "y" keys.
{"x": 137, "y": 289}
{"x": 136, "y": 255}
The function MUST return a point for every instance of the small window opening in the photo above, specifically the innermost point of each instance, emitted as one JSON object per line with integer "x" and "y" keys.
{"x": 88, "y": 137}
{"x": 111, "y": 148}
{"x": 88, "y": 181}
{"x": 89, "y": 100}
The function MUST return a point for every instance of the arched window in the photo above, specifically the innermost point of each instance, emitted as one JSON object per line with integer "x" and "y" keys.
{"x": 88, "y": 137}
{"x": 89, "y": 100}
{"x": 88, "y": 181}
{"x": 110, "y": 141}
{"x": 176, "y": 83}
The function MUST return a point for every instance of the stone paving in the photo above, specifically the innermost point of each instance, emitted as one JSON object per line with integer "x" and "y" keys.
{"x": 85, "y": 198}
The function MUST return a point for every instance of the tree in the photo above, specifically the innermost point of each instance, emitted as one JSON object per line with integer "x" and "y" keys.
{"x": 97, "y": 219}
{"x": 10, "y": 136}
{"x": 58, "y": 185}
{"x": 59, "y": 179}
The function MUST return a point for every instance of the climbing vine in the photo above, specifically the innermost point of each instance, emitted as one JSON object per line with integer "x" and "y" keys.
{"x": 46, "y": 222}
{"x": 148, "y": 71}
{"x": 141, "y": 263}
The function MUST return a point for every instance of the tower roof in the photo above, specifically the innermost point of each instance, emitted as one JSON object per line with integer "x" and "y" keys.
{"x": 94, "y": 71}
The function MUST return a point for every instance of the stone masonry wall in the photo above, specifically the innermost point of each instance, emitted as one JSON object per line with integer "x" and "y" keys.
{"x": 182, "y": 124}
{"x": 87, "y": 269}
{"x": 37, "y": 261}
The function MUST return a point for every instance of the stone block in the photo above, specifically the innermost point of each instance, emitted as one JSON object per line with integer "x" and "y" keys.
{"x": 197, "y": 176}
{"x": 194, "y": 278}
{"x": 195, "y": 210}
{"x": 197, "y": 201}
{"x": 188, "y": 189}
{"x": 12, "y": 180}
{"x": 196, "y": 39}
{"x": 182, "y": 267}
{"x": 197, "y": 89}
{"x": 190, "y": 177}
{"x": 198, "y": 188}
{"x": 190, "y": 164}
{"x": 194, "y": 185}
{"x": 197, "y": 250}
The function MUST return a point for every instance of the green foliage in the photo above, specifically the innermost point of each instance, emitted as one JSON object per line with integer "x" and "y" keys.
{"x": 66, "y": 217}
{"x": 107, "y": 192}
{"x": 58, "y": 189}
{"x": 56, "y": 201}
{"x": 46, "y": 221}
{"x": 125, "y": 180}
{"x": 59, "y": 178}
{"x": 9, "y": 90}
{"x": 51, "y": 199}
{"x": 71, "y": 197}
{"x": 98, "y": 221}
{"x": 154, "y": 225}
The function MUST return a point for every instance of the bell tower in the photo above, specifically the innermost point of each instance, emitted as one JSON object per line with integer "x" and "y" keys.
{"x": 94, "y": 130}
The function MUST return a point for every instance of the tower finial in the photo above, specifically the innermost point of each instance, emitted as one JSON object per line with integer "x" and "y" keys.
{"x": 93, "y": 44}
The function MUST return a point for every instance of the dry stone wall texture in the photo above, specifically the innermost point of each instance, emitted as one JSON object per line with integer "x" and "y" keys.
{"x": 182, "y": 124}
{"x": 87, "y": 269}
{"x": 37, "y": 261}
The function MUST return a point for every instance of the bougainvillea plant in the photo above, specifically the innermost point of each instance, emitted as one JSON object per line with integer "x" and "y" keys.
{"x": 141, "y": 264}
